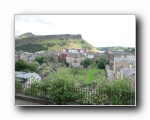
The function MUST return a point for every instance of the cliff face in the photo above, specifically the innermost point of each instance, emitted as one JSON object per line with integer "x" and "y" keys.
{"x": 63, "y": 36}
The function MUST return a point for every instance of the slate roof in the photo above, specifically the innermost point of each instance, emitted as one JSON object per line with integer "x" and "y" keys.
{"x": 18, "y": 72}
{"x": 26, "y": 75}
{"x": 126, "y": 72}
{"x": 77, "y": 55}
{"x": 126, "y": 59}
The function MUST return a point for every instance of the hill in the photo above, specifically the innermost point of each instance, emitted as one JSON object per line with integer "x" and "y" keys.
{"x": 26, "y": 35}
{"x": 33, "y": 43}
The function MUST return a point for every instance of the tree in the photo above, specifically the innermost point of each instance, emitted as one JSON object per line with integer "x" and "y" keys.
{"x": 87, "y": 62}
{"x": 39, "y": 59}
{"x": 66, "y": 63}
{"x": 101, "y": 64}
{"x": 21, "y": 65}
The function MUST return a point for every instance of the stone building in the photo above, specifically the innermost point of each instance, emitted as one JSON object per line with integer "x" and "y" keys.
{"x": 75, "y": 59}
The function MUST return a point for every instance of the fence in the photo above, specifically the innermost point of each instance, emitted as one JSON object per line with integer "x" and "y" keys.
{"x": 81, "y": 95}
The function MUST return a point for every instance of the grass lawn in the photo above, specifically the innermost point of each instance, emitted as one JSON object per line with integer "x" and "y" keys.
{"x": 83, "y": 74}
{"x": 89, "y": 74}
{"x": 102, "y": 71}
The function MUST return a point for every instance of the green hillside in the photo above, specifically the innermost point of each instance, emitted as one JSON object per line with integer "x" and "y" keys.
{"x": 52, "y": 42}
{"x": 26, "y": 35}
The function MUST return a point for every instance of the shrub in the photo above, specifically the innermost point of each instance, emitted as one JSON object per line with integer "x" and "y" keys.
{"x": 101, "y": 65}
{"x": 119, "y": 92}
{"x": 21, "y": 65}
{"x": 18, "y": 86}
{"x": 87, "y": 62}
{"x": 61, "y": 87}
{"x": 39, "y": 59}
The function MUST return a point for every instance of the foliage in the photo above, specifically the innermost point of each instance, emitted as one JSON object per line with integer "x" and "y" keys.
{"x": 31, "y": 47}
{"x": 46, "y": 43}
{"x": 59, "y": 59}
{"x": 129, "y": 49}
{"x": 62, "y": 43}
{"x": 51, "y": 44}
{"x": 40, "y": 59}
{"x": 82, "y": 42}
{"x": 60, "y": 87}
{"x": 18, "y": 86}
{"x": 65, "y": 62}
{"x": 101, "y": 63}
{"x": 87, "y": 62}
{"x": 120, "y": 92}
{"x": 21, "y": 65}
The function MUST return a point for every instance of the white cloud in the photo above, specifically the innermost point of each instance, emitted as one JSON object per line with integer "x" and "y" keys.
{"x": 98, "y": 30}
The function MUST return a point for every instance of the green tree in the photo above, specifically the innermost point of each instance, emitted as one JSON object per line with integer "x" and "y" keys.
{"x": 39, "y": 59}
{"x": 101, "y": 64}
{"x": 87, "y": 62}
{"x": 21, "y": 65}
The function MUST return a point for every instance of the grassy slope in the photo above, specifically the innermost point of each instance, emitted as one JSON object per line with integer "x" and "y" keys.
{"x": 72, "y": 44}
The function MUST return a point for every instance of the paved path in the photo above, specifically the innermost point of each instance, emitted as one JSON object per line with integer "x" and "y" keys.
{"x": 109, "y": 72}
{"x": 23, "y": 102}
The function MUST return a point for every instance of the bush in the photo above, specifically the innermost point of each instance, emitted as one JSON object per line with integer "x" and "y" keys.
{"x": 61, "y": 87}
{"x": 21, "y": 65}
{"x": 18, "y": 86}
{"x": 101, "y": 65}
{"x": 39, "y": 59}
{"x": 87, "y": 62}
{"x": 119, "y": 92}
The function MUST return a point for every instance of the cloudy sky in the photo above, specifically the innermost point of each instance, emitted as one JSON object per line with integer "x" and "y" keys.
{"x": 98, "y": 30}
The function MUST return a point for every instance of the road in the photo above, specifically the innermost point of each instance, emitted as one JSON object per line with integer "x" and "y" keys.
{"x": 109, "y": 73}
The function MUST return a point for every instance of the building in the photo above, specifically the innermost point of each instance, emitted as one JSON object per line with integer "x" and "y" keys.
{"x": 26, "y": 77}
{"x": 65, "y": 52}
{"x": 126, "y": 73}
{"x": 126, "y": 62}
{"x": 75, "y": 59}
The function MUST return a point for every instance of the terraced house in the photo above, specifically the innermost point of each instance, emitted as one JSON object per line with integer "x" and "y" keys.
{"x": 125, "y": 68}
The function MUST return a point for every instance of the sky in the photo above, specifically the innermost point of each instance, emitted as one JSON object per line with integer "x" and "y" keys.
{"x": 98, "y": 30}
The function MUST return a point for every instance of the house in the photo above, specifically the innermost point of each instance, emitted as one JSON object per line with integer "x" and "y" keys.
{"x": 65, "y": 52}
{"x": 132, "y": 57}
{"x": 54, "y": 55}
{"x": 40, "y": 52}
{"x": 123, "y": 72}
{"x": 99, "y": 56}
{"x": 126, "y": 62}
{"x": 27, "y": 77}
{"x": 75, "y": 59}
